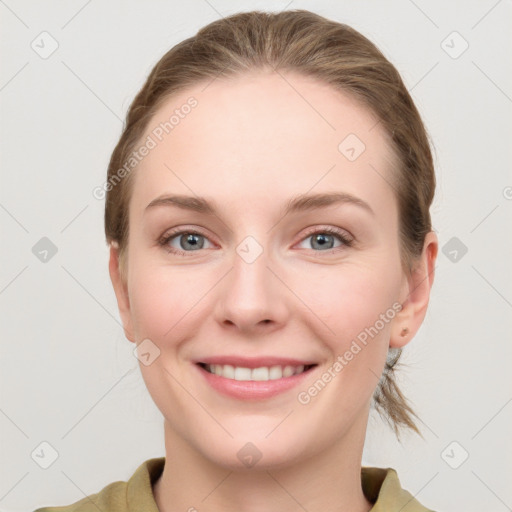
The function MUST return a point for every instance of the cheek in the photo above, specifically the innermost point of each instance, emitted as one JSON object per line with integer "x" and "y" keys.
{"x": 354, "y": 310}
{"x": 352, "y": 297}
{"x": 165, "y": 302}
{"x": 357, "y": 304}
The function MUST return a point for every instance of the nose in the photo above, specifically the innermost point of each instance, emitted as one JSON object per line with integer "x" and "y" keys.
{"x": 251, "y": 298}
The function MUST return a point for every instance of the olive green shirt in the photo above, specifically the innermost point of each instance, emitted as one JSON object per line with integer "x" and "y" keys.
{"x": 380, "y": 486}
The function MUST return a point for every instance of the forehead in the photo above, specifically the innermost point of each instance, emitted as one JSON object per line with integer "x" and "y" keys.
{"x": 261, "y": 132}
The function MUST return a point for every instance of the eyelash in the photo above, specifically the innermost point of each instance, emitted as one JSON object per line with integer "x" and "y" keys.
{"x": 347, "y": 242}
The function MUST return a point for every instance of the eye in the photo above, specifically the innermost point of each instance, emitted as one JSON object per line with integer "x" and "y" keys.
{"x": 323, "y": 239}
{"x": 181, "y": 242}
{"x": 188, "y": 241}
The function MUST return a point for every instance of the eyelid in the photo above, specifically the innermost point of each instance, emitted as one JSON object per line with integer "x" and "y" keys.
{"x": 326, "y": 229}
{"x": 182, "y": 230}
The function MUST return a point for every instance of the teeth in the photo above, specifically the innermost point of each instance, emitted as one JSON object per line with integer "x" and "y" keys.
{"x": 242, "y": 373}
{"x": 257, "y": 374}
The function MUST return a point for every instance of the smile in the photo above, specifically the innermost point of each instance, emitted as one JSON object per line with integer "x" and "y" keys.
{"x": 263, "y": 373}
{"x": 260, "y": 382}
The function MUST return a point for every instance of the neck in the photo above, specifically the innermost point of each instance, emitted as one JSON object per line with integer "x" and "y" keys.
{"x": 329, "y": 481}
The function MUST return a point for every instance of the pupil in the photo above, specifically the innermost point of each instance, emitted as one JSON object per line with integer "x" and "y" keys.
{"x": 322, "y": 240}
{"x": 192, "y": 239}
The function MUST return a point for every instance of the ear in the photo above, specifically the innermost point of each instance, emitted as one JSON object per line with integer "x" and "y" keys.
{"x": 121, "y": 291}
{"x": 415, "y": 295}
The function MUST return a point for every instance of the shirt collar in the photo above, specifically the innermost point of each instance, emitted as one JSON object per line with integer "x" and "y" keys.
{"x": 381, "y": 487}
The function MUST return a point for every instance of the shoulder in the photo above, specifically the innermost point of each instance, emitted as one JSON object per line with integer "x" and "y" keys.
{"x": 111, "y": 497}
{"x": 120, "y": 496}
{"x": 382, "y": 487}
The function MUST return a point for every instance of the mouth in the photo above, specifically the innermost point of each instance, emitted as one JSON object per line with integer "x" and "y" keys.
{"x": 259, "y": 374}
{"x": 254, "y": 380}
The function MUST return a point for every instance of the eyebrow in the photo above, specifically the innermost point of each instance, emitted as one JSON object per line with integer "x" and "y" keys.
{"x": 302, "y": 202}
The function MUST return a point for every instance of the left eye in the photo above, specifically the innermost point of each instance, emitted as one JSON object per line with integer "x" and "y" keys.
{"x": 325, "y": 239}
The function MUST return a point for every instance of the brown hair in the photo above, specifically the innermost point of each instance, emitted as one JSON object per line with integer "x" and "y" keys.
{"x": 303, "y": 42}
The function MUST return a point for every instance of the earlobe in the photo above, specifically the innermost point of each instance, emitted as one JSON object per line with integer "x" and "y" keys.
{"x": 121, "y": 291}
{"x": 416, "y": 295}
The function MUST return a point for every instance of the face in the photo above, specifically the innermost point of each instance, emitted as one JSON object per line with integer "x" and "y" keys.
{"x": 261, "y": 277}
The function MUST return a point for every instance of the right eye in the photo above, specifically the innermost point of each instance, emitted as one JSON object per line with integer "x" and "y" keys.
{"x": 182, "y": 242}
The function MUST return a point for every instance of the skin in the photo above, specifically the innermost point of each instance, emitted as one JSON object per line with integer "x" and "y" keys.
{"x": 250, "y": 145}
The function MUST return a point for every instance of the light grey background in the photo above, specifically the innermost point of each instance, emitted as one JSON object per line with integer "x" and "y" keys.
{"x": 68, "y": 375}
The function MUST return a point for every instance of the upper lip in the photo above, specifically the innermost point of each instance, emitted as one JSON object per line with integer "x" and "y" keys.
{"x": 255, "y": 362}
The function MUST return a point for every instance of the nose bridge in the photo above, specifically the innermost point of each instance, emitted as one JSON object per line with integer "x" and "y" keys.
{"x": 250, "y": 278}
{"x": 250, "y": 294}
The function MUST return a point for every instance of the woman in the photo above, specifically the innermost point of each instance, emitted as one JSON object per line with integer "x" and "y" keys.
{"x": 271, "y": 252}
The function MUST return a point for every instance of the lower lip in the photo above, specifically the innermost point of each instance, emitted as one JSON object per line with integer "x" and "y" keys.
{"x": 249, "y": 389}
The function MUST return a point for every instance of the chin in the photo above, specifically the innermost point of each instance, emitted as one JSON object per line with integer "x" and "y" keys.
{"x": 254, "y": 452}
